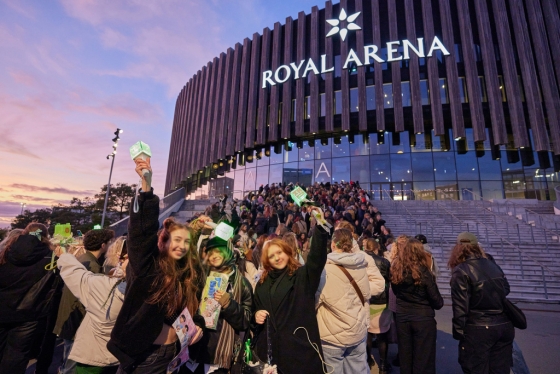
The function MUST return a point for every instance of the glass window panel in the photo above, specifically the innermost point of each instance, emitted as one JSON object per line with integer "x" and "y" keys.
{"x": 424, "y": 92}
{"x": 492, "y": 190}
{"x": 422, "y": 166}
{"x": 463, "y": 90}
{"x": 388, "y": 95}
{"x": 467, "y": 167}
{"x": 401, "y": 167}
{"x": 406, "y": 97}
{"x": 265, "y": 160}
{"x": 489, "y": 169}
{"x": 290, "y": 173}
{"x": 424, "y": 191}
{"x": 380, "y": 168}
{"x": 444, "y": 166}
{"x": 360, "y": 169}
{"x": 422, "y": 142}
{"x": 323, "y": 105}
{"x": 305, "y": 176}
{"x": 306, "y": 153}
{"x": 342, "y": 149}
{"x": 338, "y": 102}
{"x": 275, "y": 173}
{"x": 400, "y": 142}
{"x": 290, "y": 156}
{"x": 370, "y": 94}
{"x": 446, "y": 190}
{"x": 443, "y": 91}
{"x": 323, "y": 151}
{"x": 358, "y": 148}
{"x": 469, "y": 190}
{"x": 239, "y": 181}
{"x": 262, "y": 176}
{"x": 341, "y": 169}
{"x": 379, "y": 143}
{"x": 323, "y": 171}
{"x": 276, "y": 158}
{"x": 354, "y": 100}
{"x": 250, "y": 179}
{"x": 239, "y": 167}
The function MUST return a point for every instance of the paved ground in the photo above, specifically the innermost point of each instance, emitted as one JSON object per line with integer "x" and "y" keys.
{"x": 539, "y": 343}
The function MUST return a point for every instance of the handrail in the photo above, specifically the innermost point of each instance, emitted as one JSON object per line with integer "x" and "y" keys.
{"x": 504, "y": 240}
{"x": 416, "y": 221}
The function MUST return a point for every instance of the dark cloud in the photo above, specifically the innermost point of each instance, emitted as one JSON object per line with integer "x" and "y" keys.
{"x": 61, "y": 190}
{"x": 38, "y": 199}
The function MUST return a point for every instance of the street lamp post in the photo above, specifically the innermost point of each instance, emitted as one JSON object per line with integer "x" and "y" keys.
{"x": 23, "y": 205}
{"x": 112, "y": 156}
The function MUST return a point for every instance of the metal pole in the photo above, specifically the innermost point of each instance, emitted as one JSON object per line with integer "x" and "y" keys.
{"x": 477, "y": 231}
{"x": 521, "y": 265}
{"x": 502, "y": 244}
{"x": 107, "y": 193}
{"x": 546, "y": 241}
{"x": 532, "y": 234}
{"x": 544, "y": 283}
{"x": 518, "y": 235}
{"x": 487, "y": 240}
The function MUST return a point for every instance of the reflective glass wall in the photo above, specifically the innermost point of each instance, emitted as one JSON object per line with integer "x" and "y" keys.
{"x": 401, "y": 166}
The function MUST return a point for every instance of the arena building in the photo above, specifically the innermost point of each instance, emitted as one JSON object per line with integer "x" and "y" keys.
{"x": 415, "y": 99}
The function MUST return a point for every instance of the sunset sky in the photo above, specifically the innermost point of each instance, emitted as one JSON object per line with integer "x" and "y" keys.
{"x": 72, "y": 71}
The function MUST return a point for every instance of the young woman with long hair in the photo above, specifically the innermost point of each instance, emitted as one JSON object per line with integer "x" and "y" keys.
{"x": 417, "y": 296}
{"x": 285, "y": 295}
{"x": 24, "y": 259}
{"x": 478, "y": 288}
{"x": 164, "y": 277}
{"x": 291, "y": 239}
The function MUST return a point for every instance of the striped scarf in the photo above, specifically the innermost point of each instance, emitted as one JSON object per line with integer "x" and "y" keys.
{"x": 224, "y": 349}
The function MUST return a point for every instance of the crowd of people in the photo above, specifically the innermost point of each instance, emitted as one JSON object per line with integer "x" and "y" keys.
{"x": 320, "y": 288}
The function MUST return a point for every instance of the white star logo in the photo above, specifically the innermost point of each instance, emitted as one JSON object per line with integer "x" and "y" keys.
{"x": 350, "y": 25}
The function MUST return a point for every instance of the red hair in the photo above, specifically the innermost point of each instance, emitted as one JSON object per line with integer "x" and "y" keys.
{"x": 177, "y": 281}
{"x": 293, "y": 264}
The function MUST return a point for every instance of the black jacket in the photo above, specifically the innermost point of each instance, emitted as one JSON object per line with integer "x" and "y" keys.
{"x": 418, "y": 300}
{"x": 384, "y": 267}
{"x": 25, "y": 267}
{"x": 139, "y": 323}
{"x": 478, "y": 287}
{"x": 295, "y": 300}
{"x": 261, "y": 225}
{"x": 238, "y": 315}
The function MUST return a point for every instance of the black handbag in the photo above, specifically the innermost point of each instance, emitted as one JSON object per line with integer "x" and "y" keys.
{"x": 251, "y": 363}
{"x": 515, "y": 315}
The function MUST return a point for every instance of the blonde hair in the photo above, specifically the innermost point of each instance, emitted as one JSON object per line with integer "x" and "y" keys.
{"x": 114, "y": 252}
{"x": 342, "y": 239}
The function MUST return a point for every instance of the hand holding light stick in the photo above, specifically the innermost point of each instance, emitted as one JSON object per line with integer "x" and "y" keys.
{"x": 141, "y": 154}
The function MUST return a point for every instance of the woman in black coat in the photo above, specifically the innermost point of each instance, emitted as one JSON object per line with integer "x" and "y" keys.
{"x": 417, "y": 296}
{"x": 27, "y": 291}
{"x": 285, "y": 295}
{"x": 478, "y": 288}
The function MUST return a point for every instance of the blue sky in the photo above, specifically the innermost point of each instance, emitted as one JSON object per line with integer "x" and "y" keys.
{"x": 72, "y": 71}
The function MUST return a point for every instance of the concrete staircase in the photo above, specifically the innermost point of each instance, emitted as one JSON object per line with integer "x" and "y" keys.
{"x": 529, "y": 255}
{"x": 190, "y": 207}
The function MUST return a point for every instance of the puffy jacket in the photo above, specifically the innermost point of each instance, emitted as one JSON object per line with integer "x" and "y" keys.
{"x": 102, "y": 301}
{"x": 343, "y": 319}
{"x": 478, "y": 287}
{"x": 24, "y": 268}
{"x": 384, "y": 267}
{"x": 376, "y": 280}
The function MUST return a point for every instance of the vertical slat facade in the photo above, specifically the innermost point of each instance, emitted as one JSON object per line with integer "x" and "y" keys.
{"x": 314, "y": 84}
{"x": 287, "y": 86}
{"x": 243, "y": 96}
{"x": 209, "y": 125}
{"x": 262, "y": 117}
{"x": 275, "y": 90}
{"x": 300, "y": 83}
{"x": 344, "y": 75}
{"x": 396, "y": 69}
{"x": 234, "y": 100}
{"x": 254, "y": 89}
{"x": 362, "y": 99}
{"x": 329, "y": 78}
{"x": 204, "y": 144}
{"x": 226, "y": 93}
{"x": 552, "y": 19}
{"x": 379, "y": 101}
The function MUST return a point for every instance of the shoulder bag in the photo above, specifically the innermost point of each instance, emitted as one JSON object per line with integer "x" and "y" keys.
{"x": 353, "y": 283}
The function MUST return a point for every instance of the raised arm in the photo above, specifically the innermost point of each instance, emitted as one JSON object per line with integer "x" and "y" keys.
{"x": 75, "y": 276}
{"x": 143, "y": 226}
{"x": 317, "y": 257}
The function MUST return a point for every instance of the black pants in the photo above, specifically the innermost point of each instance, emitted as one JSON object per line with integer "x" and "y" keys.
{"x": 156, "y": 361}
{"x": 487, "y": 349}
{"x": 16, "y": 342}
{"x": 417, "y": 346}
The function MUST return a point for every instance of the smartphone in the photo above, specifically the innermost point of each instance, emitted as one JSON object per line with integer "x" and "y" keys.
{"x": 79, "y": 232}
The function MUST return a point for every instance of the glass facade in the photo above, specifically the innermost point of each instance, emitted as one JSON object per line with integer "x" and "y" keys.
{"x": 402, "y": 166}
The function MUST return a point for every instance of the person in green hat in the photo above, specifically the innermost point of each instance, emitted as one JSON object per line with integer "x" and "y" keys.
{"x": 215, "y": 351}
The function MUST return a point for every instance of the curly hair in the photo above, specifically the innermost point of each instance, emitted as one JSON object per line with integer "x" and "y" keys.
{"x": 94, "y": 239}
{"x": 408, "y": 260}
{"x": 462, "y": 251}
{"x": 177, "y": 282}
{"x": 293, "y": 264}
{"x": 343, "y": 240}
{"x": 14, "y": 235}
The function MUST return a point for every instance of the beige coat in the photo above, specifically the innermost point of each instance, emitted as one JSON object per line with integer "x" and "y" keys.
{"x": 342, "y": 319}
{"x": 93, "y": 291}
